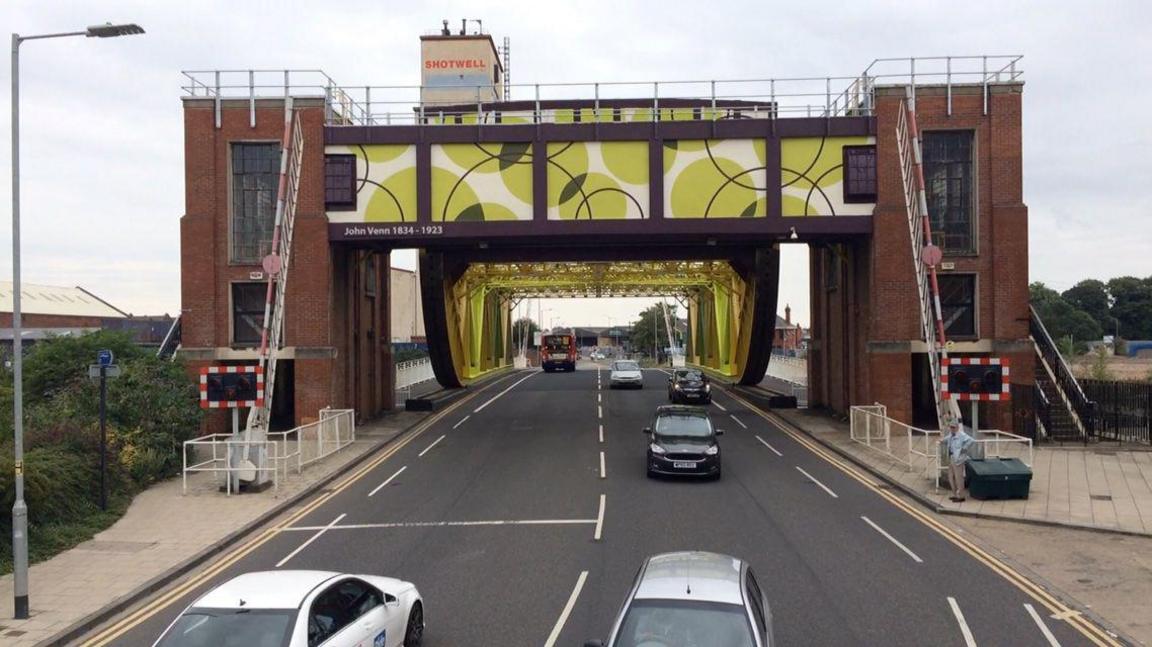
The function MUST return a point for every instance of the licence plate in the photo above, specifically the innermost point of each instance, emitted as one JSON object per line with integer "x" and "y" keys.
{"x": 682, "y": 465}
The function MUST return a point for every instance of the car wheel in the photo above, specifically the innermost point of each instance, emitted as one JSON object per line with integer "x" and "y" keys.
{"x": 414, "y": 633}
{"x": 716, "y": 476}
{"x": 651, "y": 474}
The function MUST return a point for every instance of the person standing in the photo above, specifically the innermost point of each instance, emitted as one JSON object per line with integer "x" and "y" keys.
{"x": 959, "y": 443}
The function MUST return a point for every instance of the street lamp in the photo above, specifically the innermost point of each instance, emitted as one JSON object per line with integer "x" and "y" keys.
{"x": 20, "y": 509}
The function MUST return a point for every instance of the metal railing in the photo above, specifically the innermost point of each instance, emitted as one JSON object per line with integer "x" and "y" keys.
{"x": 298, "y": 447}
{"x": 1081, "y": 408}
{"x": 222, "y": 449}
{"x": 411, "y": 373}
{"x": 645, "y": 101}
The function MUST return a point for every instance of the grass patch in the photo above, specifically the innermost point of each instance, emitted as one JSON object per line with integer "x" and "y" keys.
{"x": 47, "y": 540}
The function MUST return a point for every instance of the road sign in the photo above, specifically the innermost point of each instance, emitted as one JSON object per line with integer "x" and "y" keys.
{"x": 975, "y": 378}
{"x": 931, "y": 255}
{"x": 104, "y": 357}
{"x": 110, "y": 370}
{"x": 223, "y": 387}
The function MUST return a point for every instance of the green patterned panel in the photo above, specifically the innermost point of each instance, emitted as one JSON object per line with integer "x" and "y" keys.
{"x": 812, "y": 177}
{"x": 715, "y": 179}
{"x": 385, "y": 183}
{"x": 481, "y": 182}
{"x": 597, "y": 180}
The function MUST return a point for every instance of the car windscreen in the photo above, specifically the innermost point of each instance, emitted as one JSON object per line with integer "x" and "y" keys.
{"x": 684, "y": 622}
{"x": 690, "y": 376}
{"x": 674, "y": 426}
{"x": 231, "y": 628}
{"x": 625, "y": 366}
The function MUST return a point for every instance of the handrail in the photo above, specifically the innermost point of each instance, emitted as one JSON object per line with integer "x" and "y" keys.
{"x": 1082, "y": 407}
{"x": 770, "y": 98}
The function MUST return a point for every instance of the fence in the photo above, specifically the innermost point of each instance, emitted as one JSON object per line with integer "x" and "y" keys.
{"x": 413, "y": 372}
{"x": 1123, "y": 409}
{"x": 922, "y": 450}
{"x": 306, "y": 444}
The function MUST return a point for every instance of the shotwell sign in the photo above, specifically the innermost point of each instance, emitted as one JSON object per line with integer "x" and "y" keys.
{"x": 455, "y": 64}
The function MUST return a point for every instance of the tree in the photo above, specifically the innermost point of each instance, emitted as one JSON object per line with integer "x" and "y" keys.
{"x": 1040, "y": 294}
{"x": 650, "y": 331}
{"x": 1064, "y": 321}
{"x": 524, "y": 327}
{"x": 1132, "y": 306}
{"x": 1091, "y": 296}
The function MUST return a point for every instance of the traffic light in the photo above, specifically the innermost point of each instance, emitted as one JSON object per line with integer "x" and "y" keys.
{"x": 975, "y": 378}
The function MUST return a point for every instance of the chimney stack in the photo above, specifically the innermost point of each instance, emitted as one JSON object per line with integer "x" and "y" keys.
{"x": 788, "y": 314}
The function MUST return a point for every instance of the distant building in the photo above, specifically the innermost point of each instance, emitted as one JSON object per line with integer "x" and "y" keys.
{"x": 407, "y": 314}
{"x": 55, "y": 311}
{"x": 789, "y": 337}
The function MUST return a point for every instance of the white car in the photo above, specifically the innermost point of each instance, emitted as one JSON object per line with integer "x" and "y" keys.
{"x": 302, "y": 609}
{"x": 625, "y": 372}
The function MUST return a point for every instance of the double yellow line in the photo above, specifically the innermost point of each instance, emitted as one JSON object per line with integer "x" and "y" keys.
{"x": 155, "y": 606}
{"x": 1089, "y": 629}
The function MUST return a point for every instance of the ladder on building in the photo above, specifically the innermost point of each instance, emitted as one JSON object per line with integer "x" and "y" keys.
{"x": 276, "y": 265}
{"x": 925, "y": 255}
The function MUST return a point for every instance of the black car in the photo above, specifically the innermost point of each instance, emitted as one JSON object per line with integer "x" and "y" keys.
{"x": 683, "y": 441}
{"x": 689, "y": 385}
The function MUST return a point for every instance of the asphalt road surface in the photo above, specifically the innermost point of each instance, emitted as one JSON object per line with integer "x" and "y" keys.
{"x": 523, "y": 515}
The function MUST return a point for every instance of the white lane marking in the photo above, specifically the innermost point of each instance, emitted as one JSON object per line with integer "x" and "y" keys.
{"x": 431, "y": 446}
{"x": 598, "y": 398}
{"x": 599, "y": 520}
{"x": 446, "y": 524}
{"x": 381, "y": 486}
{"x": 1043, "y": 627}
{"x": 892, "y": 539}
{"x": 719, "y": 406}
{"x": 765, "y": 443}
{"x": 602, "y": 474}
{"x": 599, "y": 411}
{"x": 813, "y": 479}
{"x": 601, "y": 433}
{"x": 968, "y": 639}
{"x": 555, "y": 635}
{"x": 311, "y": 539}
{"x": 733, "y": 416}
{"x": 462, "y": 421}
{"x": 497, "y": 396}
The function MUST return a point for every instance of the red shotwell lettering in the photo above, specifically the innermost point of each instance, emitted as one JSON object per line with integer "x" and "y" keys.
{"x": 455, "y": 64}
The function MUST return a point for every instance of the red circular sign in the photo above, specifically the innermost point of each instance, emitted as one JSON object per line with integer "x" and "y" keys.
{"x": 271, "y": 264}
{"x": 931, "y": 255}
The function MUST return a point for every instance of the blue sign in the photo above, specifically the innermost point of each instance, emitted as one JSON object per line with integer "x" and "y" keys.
{"x": 104, "y": 357}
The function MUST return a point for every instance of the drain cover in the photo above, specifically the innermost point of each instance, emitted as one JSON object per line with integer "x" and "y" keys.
{"x": 1100, "y": 497}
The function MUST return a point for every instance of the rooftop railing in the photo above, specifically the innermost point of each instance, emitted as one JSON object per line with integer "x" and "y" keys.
{"x": 828, "y": 96}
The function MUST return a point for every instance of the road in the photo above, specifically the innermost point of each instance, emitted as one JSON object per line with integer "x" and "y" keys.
{"x": 494, "y": 512}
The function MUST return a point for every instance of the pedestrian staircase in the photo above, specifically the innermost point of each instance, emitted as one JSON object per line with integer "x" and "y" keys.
{"x": 925, "y": 255}
{"x": 276, "y": 265}
{"x": 1065, "y": 411}
{"x": 171, "y": 343}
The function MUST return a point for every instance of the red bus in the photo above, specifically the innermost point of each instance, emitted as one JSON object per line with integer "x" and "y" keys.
{"x": 558, "y": 352}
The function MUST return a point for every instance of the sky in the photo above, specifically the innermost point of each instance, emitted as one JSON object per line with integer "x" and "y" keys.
{"x": 102, "y": 136}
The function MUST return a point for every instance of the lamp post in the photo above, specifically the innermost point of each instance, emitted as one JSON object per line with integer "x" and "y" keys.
{"x": 19, "y": 508}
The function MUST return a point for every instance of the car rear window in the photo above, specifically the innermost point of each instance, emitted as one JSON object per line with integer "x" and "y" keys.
{"x": 626, "y": 366}
{"x": 230, "y": 628}
{"x": 685, "y": 622}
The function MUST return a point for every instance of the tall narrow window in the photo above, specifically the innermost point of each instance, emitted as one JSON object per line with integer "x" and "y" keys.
{"x": 958, "y": 304}
{"x": 948, "y": 182}
{"x": 859, "y": 174}
{"x": 340, "y": 182}
{"x": 248, "y": 313}
{"x": 255, "y": 176}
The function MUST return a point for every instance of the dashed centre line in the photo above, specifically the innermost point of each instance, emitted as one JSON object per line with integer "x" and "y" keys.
{"x": 603, "y": 474}
{"x": 765, "y": 443}
{"x": 462, "y": 421}
{"x": 968, "y": 639}
{"x": 599, "y": 520}
{"x": 310, "y": 540}
{"x": 892, "y": 539}
{"x": 599, "y": 411}
{"x": 429, "y": 447}
{"x": 601, "y": 432}
{"x": 733, "y": 416}
{"x": 813, "y": 479}
{"x": 1043, "y": 627}
{"x": 381, "y": 486}
{"x": 719, "y": 406}
{"x": 559, "y": 626}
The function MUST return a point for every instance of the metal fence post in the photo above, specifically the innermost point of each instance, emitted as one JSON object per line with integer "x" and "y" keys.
{"x": 217, "y": 101}
{"x": 251, "y": 99}
{"x": 948, "y": 77}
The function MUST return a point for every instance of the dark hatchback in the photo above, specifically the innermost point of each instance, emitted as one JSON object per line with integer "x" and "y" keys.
{"x": 689, "y": 385}
{"x": 682, "y": 441}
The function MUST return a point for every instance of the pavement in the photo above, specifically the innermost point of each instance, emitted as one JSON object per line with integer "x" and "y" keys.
{"x": 522, "y": 512}
{"x": 1098, "y": 487}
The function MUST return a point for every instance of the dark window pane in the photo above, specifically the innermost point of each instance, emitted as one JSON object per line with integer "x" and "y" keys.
{"x": 958, "y": 304}
{"x": 949, "y": 187}
{"x": 859, "y": 174}
{"x": 248, "y": 312}
{"x": 255, "y": 178}
{"x": 340, "y": 180}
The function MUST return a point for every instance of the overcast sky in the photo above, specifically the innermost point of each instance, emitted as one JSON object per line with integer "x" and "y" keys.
{"x": 102, "y": 135}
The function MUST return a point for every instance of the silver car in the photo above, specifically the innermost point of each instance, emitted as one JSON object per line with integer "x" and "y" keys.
{"x": 693, "y": 598}
{"x": 625, "y": 373}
